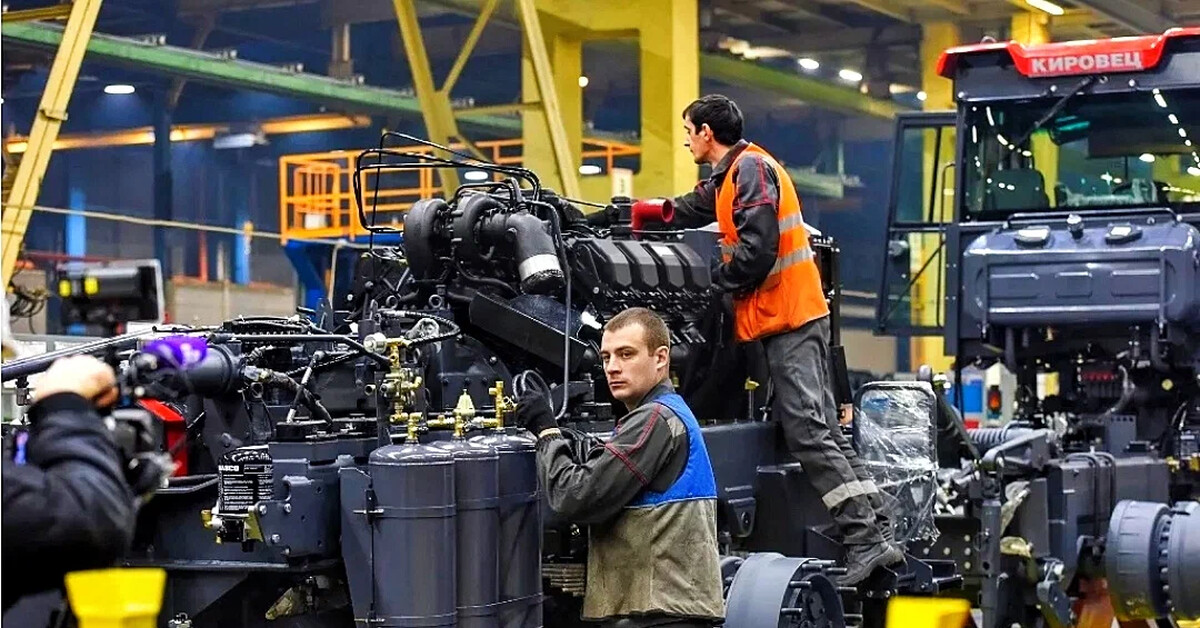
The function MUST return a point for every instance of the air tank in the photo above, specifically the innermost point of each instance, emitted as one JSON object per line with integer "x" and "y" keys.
{"x": 414, "y": 536}
{"x": 520, "y": 541}
{"x": 477, "y": 494}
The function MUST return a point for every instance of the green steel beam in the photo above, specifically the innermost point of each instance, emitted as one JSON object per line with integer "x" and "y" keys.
{"x": 208, "y": 68}
{"x": 817, "y": 92}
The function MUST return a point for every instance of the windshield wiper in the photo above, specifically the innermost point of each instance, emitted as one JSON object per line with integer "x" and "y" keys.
{"x": 1058, "y": 106}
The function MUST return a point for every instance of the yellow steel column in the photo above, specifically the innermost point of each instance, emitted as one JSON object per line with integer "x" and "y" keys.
{"x": 52, "y": 110}
{"x": 565, "y": 51}
{"x": 1034, "y": 28}
{"x": 670, "y": 59}
{"x": 668, "y": 40}
{"x": 927, "y": 300}
{"x": 435, "y": 104}
{"x": 535, "y": 42}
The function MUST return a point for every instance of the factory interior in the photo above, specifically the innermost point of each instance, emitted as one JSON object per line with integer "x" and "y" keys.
{"x": 313, "y": 310}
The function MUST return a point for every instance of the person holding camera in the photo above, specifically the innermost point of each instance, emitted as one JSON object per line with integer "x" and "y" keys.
{"x": 67, "y": 506}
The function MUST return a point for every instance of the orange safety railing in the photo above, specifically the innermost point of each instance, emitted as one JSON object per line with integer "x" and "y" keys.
{"x": 316, "y": 191}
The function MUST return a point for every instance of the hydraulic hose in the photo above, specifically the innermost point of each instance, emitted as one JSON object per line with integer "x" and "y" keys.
{"x": 538, "y": 262}
{"x": 283, "y": 382}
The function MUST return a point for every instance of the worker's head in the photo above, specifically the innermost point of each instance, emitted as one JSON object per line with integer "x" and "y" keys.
{"x": 713, "y": 123}
{"x": 636, "y": 351}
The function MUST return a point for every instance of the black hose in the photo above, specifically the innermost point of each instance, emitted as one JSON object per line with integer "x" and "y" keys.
{"x": 485, "y": 281}
{"x": 556, "y": 229}
{"x": 340, "y": 358}
{"x": 1127, "y": 392}
{"x": 282, "y": 381}
{"x": 539, "y": 266}
{"x": 454, "y": 328}
{"x": 346, "y": 340}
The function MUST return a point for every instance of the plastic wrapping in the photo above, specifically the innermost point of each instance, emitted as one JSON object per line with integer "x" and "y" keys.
{"x": 895, "y": 436}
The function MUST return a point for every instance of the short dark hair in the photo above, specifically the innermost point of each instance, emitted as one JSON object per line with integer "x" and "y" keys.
{"x": 720, "y": 114}
{"x": 655, "y": 330}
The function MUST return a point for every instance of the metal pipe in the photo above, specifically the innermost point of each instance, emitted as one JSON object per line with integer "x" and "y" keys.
{"x": 39, "y": 363}
{"x": 346, "y": 340}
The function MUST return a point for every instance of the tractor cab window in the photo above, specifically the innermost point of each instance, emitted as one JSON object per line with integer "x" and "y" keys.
{"x": 1092, "y": 152}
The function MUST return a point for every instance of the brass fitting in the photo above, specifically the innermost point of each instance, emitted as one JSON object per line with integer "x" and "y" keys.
{"x": 503, "y": 404}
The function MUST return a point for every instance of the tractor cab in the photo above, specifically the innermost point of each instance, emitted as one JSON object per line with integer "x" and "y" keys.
{"x": 1048, "y": 223}
{"x": 1040, "y": 131}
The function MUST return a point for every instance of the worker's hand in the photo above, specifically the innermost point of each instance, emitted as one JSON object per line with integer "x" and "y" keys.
{"x": 652, "y": 210}
{"x": 82, "y": 375}
{"x": 534, "y": 413}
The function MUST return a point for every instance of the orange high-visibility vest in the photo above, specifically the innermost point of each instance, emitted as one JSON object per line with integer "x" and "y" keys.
{"x": 791, "y": 295}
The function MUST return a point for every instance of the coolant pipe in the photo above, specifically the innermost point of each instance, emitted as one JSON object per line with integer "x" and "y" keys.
{"x": 1127, "y": 391}
{"x": 1010, "y": 350}
{"x": 537, "y": 259}
{"x": 1156, "y": 358}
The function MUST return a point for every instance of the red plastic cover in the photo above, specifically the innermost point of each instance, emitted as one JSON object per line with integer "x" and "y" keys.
{"x": 1090, "y": 56}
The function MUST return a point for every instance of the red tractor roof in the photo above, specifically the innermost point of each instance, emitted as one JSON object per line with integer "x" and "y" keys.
{"x": 1089, "y": 56}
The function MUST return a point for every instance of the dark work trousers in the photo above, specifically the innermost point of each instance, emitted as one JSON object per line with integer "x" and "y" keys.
{"x": 805, "y": 407}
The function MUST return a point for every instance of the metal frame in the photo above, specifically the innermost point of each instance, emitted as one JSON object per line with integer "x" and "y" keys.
{"x": 440, "y": 120}
{"x": 51, "y": 112}
{"x": 904, "y": 122}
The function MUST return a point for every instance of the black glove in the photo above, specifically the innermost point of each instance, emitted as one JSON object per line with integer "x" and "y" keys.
{"x": 534, "y": 413}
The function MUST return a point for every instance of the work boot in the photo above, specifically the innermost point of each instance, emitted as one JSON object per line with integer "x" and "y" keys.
{"x": 863, "y": 560}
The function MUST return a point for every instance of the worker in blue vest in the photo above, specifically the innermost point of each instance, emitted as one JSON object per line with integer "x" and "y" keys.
{"x": 648, "y": 494}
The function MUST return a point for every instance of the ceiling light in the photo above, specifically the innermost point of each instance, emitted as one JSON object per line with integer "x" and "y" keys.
{"x": 1194, "y": 171}
{"x": 1117, "y": 180}
{"x": 118, "y": 89}
{"x": 850, "y": 75}
{"x": 1158, "y": 98}
{"x": 1147, "y": 157}
{"x": 1046, "y": 5}
{"x": 1182, "y": 132}
{"x": 1003, "y": 142}
{"x": 589, "y": 169}
{"x": 808, "y": 64}
{"x": 1173, "y": 119}
{"x": 475, "y": 175}
{"x": 583, "y": 81}
{"x": 921, "y": 96}
{"x": 1187, "y": 142}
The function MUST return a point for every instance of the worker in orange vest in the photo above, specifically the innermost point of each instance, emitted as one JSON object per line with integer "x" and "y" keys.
{"x": 767, "y": 266}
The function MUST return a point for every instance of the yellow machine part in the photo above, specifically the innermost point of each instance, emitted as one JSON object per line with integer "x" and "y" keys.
{"x": 116, "y": 598}
{"x": 922, "y": 612}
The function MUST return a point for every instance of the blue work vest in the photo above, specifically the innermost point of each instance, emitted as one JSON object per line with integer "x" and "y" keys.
{"x": 697, "y": 480}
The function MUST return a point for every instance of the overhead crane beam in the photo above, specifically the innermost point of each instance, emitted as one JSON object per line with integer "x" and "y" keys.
{"x": 208, "y": 68}
{"x": 51, "y": 112}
